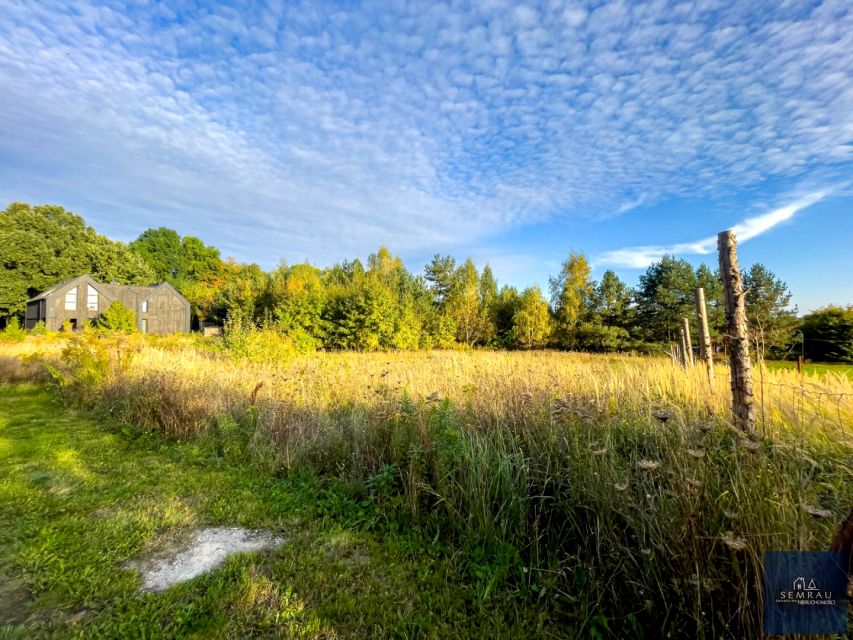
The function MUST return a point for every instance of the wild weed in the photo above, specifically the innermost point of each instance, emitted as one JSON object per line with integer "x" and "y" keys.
{"x": 613, "y": 487}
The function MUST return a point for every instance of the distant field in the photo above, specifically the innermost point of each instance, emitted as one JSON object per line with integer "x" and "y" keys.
{"x": 810, "y": 368}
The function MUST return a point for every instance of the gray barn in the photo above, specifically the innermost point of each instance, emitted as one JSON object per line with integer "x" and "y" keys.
{"x": 159, "y": 308}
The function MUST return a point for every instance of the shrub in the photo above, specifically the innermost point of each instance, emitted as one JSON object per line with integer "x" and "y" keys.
{"x": 89, "y": 362}
{"x": 13, "y": 331}
{"x": 828, "y": 334}
{"x": 86, "y": 364}
{"x": 39, "y": 329}
{"x": 117, "y": 319}
{"x": 597, "y": 337}
{"x": 262, "y": 346}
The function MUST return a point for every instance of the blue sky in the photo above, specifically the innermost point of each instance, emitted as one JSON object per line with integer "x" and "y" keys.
{"x": 511, "y": 133}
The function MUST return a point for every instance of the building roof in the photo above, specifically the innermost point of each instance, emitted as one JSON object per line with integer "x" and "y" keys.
{"x": 112, "y": 290}
{"x": 116, "y": 289}
{"x": 44, "y": 294}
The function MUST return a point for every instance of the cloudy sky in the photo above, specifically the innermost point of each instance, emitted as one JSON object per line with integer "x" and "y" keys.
{"x": 506, "y": 132}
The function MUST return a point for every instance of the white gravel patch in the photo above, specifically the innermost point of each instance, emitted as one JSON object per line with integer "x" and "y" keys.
{"x": 207, "y": 550}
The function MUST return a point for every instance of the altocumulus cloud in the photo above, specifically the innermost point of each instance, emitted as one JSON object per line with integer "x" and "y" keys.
{"x": 330, "y": 129}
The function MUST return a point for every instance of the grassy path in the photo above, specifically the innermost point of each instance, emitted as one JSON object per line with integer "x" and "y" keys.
{"x": 80, "y": 496}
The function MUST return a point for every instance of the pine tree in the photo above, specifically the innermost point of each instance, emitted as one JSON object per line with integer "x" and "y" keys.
{"x": 488, "y": 302}
{"x": 441, "y": 273}
{"x": 611, "y": 301}
{"x": 664, "y": 297}
{"x": 767, "y": 308}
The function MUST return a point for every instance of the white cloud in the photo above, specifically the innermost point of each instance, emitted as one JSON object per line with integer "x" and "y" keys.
{"x": 642, "y": 256}
{"x": 321, "y": 132}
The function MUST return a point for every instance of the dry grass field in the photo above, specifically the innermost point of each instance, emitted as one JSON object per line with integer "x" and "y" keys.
{"x": 611, "y": 488}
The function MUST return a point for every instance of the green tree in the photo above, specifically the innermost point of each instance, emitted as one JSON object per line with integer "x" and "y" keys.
{"x": 611, "y": 301}
{"x": 665, "y": 296}
{"x": 344, "y": 273}
{"x": 463, "y": 305}
{"x": 199, "y": 261}
{"x": 360, "y": 316}
{"x": 531, "y": 323}
{"x": 177, "y": 259}
{"x": 610, "y": 316}
{"x": 295, "y": 300}
{"x": 161, "y": 249}
{"x": 386, "y": 268}
{"x": 488, "y": 303}
{"x": 571, "y": 297}
{"x": 117, "y": 319}
{"x": 192, "y": 267}
{"x": 828, "y": 334}
{"x": 505, "y": 307}
{"x": 767, "y": 308}
{"x": 442, "y": 332}
{"x": 43, "y": 245}
{"x": 441, "y": 274}
{"x": 244, "y": 288}
{"x": 408, "y": 327}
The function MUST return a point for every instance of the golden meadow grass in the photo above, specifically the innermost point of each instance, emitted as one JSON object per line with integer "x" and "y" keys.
{"x": 611, "y": 485}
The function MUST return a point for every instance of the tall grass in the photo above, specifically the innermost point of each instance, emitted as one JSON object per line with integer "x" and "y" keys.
{"x": 612, "y": 487}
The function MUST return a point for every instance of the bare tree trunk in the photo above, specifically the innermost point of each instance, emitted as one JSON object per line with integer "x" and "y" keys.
{"x": 743, "y": 406}
{"x": 688, "y": 343}
{"x": 704, "y": 337}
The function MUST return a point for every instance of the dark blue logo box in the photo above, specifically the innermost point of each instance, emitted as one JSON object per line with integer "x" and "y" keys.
{"x": 804, "y": 592}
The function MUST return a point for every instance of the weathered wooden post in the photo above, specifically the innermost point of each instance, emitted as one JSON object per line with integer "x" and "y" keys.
{"x": 704, "y": 337}
{"x": 743, "y": 406}
{"x": 682, "y": 354}
{"x": 688, "y": 343}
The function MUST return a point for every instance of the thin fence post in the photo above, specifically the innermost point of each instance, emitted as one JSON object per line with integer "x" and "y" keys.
{"x": 704, "y": 337}
{"x": 688, "y": 343}
{"x": 681, "y": 350}
{"x": 743, "y": 402}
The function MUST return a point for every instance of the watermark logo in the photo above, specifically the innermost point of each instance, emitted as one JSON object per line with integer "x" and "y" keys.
{"x": 804, "y": 592}
{"x": 808, "y": 595}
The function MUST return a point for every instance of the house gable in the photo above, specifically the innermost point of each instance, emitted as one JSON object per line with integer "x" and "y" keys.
{"x": 170, "y": 311}
{"x": 62, "y": 288}
{"x": 51, "y": 307}
{"x": 163, "y": 310}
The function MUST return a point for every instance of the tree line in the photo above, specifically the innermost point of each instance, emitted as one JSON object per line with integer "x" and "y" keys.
{"x": 380, "y": 304}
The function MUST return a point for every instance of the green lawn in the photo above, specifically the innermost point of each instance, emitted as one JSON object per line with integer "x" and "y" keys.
{"x": 81, "y": 496}
{"x": 813, "y": 368}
